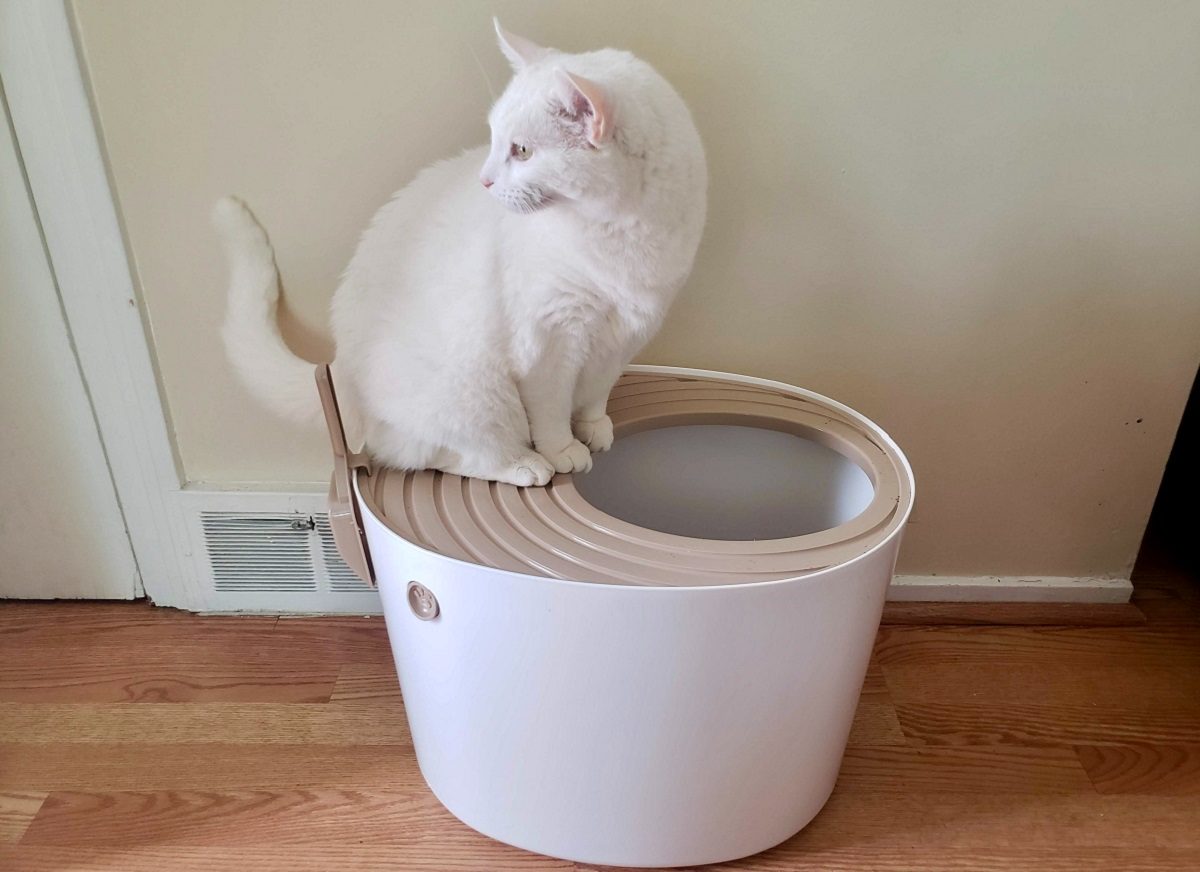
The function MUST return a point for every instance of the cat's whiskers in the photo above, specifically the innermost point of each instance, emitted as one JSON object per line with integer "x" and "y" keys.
{"x": 526, "y": 200}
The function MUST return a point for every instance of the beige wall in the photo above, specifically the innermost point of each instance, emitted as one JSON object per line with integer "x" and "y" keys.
{"x": 977, "y": 222}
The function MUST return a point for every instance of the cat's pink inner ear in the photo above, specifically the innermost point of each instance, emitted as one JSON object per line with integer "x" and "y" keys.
{"x": 519, "y": 50}
{"x": 589, "y": 100}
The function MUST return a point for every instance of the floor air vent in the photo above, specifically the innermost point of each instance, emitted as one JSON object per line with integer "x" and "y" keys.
{"x": 253, "y": 552}
{"x": 259, "y": 552}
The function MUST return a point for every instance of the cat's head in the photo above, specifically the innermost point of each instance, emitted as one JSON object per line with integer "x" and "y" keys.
{"x": 552, "y": 131}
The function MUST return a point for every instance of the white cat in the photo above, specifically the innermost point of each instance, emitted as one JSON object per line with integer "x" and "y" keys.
{"x": 483, "y": 340}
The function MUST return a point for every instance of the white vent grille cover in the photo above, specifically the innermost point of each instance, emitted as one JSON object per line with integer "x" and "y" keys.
{"x": 260, "y": 552}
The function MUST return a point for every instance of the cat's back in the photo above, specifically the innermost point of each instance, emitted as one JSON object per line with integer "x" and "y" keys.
{"x": 434, "y": 235}
{"x": 444, "y": 207}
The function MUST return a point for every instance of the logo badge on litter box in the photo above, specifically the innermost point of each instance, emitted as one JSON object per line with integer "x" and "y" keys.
{"x": 422, "y": 601}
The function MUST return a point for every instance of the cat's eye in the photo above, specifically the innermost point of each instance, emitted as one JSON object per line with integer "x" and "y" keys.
{"x": 521, "y": 152}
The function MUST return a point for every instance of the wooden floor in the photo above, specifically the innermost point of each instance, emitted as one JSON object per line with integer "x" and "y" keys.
{"x": 146, "y": 740}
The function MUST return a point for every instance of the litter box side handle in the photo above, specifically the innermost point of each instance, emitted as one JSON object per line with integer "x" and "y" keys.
{"x": 345, "y": 517}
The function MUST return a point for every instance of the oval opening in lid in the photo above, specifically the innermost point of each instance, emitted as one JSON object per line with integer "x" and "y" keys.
{"x": 725, "y": 481}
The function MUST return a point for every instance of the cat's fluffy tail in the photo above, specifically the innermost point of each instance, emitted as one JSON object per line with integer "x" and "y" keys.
{"x": 282, "y": 380}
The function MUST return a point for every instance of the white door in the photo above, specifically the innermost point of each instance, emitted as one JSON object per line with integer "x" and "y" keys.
{"x": 61, "y": 530}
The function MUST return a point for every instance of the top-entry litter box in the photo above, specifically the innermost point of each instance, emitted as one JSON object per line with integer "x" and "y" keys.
{"x": 653, "y": 664}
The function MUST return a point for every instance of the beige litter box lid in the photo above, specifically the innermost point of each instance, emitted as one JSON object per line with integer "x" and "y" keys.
{"x": 555, "y": 532}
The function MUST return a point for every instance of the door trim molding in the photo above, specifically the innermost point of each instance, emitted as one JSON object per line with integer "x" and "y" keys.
{"x": 60, "y": 147}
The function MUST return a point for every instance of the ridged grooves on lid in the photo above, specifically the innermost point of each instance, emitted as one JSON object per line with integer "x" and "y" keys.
{"x": 554, "y": 532}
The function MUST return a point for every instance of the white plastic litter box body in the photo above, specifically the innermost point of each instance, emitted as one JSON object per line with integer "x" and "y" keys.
{"x": 635, "y": 725}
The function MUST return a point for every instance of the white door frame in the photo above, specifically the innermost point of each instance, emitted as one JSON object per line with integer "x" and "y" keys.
{"x": 51, "y": 114}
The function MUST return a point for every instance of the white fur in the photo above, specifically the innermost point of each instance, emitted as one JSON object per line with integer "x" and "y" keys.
{"x": 474, "y": 326}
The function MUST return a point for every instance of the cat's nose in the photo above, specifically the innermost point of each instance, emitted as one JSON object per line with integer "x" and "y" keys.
{"x": 487, "y": 183}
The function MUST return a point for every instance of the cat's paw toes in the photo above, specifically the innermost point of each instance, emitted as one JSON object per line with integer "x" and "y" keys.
{"x": 574, "y": 458}
{"x": 532, "y": 470}
{"x": 596, "y": 435}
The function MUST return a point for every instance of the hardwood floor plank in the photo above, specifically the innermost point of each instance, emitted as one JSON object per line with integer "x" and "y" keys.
{"x": 964, "y": 770}
{"x": 1144, "y": 770}
{"x": 1174, "y": 689}
{"x": 1043, "y": 725}
{"x": 942, "y": 822}
{"x": 192, "y": 647}
{"x": 1043, "y": 686}
{"x": 876, "y": 723}
{"x": 875, "y": 682}
{"x": 358, "y": 682}
{"x": 473, "y": 858}
{"x": 472, "y": 854}
{"x": 105, "y": 681}
{"x": 214, "y": 767}
{"x": 249, "y": 817}
{"x": 345, "y": 639}
{"x": 1017, "y": 614}
{"x": 285, "y": 723}
{"x": 984, "y": 859}
{"x": 218, "y": 767}
{"x": 182, "y": 659}
{"x": 875, "y": 720}
{"x": 71, "y": 624}
{"x": 414, "y": 820}
{"x": 1171, "y": 647}
{"x": 134, "y": 638}
{"x": 17, "y": 810}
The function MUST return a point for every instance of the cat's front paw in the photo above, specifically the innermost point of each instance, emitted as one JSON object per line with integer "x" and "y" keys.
{"x": 574, "y": 458}
{"x": 531, "y": 470}
{"x": 596, "y": 435}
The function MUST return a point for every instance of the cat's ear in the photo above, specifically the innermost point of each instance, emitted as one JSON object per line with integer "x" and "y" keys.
{"x": 519, "y": 51}
{"x": 587, "y": 103}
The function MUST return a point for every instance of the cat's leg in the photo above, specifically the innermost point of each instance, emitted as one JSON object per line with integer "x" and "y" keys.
{"x": 589, "y": 421}
{"x": 490, "y": 436}
{"x": 525, "y": 469}
{"x": 546, "y": 392}
{"x": 493, "y": 446}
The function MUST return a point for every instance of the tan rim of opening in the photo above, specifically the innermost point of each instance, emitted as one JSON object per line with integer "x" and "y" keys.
{"x": 554, "y": 532}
